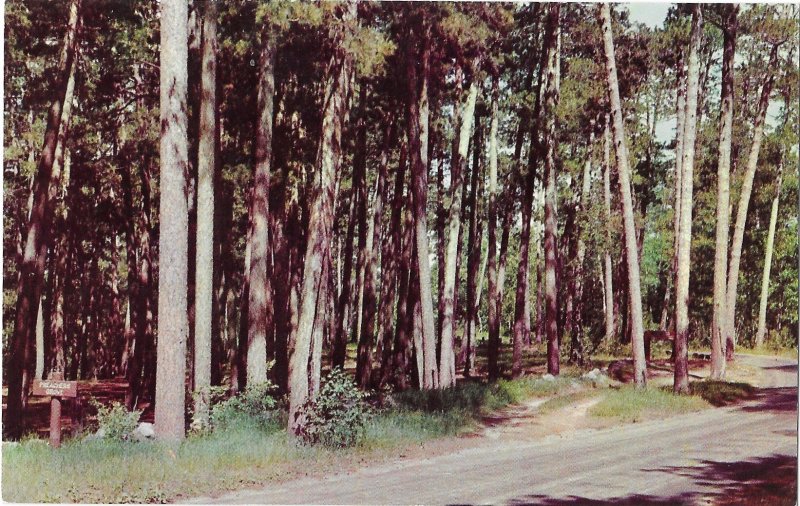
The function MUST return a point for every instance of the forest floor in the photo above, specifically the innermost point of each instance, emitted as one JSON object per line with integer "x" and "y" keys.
{"x": 567, "y": 410}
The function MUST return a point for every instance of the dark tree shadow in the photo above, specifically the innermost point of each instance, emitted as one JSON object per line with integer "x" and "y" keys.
{"x": 773, "y": 400}
{"x": 786, "y": 368}
{"x": 765, "y": 480}
{"x": 629, "y": 500}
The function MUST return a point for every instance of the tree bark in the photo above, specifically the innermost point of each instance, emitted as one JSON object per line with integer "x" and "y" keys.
{"x": 681, "y": 383}
{"x": 474, "y": 242}
{"x": 320, "y": 222}
{"x": 550, "y": 219}
{"x": 36, "y": 238}
{"x": 173, "y": 324}
{"x": 204, "y": 264}
{"x": 723, "y": 195}
{"x": 447, "y": 369}
{"x": 679, "y": 137}
{"x": 362, "y": 202}
{"x": 260, "y": 314}
{"x": 494, "y": 302}
{"x": 623, "y": 168}
{"x": 744, "y": 202}
{"x": 395, "y": 264}
{"x": 608, "y": 278}
{"x": 773, "y": 220}
{"x": 417, "y": 107}
{"x": 406, "y": 296}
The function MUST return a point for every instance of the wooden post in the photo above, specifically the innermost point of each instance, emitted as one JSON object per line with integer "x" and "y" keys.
{"x": 55, "y": 422}
{"x": 56, "y": 389}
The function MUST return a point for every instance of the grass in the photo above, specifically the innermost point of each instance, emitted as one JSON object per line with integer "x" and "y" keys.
{"x": 770, "y": 350}
{"x": 630, "y": 404}
{"x": 244, "y": 453}
{"x": 722, "y": 393}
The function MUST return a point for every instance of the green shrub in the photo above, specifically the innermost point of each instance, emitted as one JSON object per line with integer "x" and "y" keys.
{"x": 257, "y": 404}
{"x": 337, "y": 416}
{"x": 115, "y": 421}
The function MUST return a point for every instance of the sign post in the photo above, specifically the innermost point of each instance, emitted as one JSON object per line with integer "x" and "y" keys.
{"x": 56, "y": 389}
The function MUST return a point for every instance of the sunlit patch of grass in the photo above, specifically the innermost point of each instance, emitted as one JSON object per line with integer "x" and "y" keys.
{"x": 771, "y": 350}
{"x": 630, "y": 404}
{"x": 722, "y": 393}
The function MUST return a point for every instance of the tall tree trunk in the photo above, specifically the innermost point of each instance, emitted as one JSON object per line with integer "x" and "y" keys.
{"x": 362, "y": 201}
{"x": 260, "y": 299}
{"x": 550, "y": 219}
{"x": 406, "y": 296}
{"x": 631, "y": 249}
{"x": 34, "y": 255}
{"x": 447, "y": 367}
{"x": 364, "y": 362}
{"x": 320, "y": 221}
{"x": 395, "y": 264}
{"x": 681, "y": 384}
{"x": 494, "y": 303}
{"x": 679, "y": 146}
{"x": 608, "y": 278}
{"x": 204, "y": 264}
{"x": 173, "y": 324}
{"x": 773, "y": 220}
{"x": 59, "y": 184}
{"x": 723, "y": 194}
{"x": 474, "y": 240}
{"x": 418, "y": 158}
{"x": 744, "y": 202}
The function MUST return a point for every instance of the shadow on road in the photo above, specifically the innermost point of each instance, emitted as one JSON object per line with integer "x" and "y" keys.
{"x": 767, "y": 480}
{"x": 773, "y": 400}
{"x": 630, "y": 500}
{"x": 785, "y": 368}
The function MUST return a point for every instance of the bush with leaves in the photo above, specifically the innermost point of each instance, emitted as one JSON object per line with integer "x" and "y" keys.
{"x": 115, "y": 421}
{"x": 337, "y": 416}
{"x": 257, "y": 404}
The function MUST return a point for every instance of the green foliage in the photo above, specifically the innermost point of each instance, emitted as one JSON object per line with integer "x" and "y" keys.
{"x": 115, "y": 422}
{"x": 631, "y": 404}
{"x": 336, "y": 417}
{"x": 256, "y": 406}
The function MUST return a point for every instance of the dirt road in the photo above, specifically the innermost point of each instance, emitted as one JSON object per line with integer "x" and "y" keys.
{"x": 717, "y": 455}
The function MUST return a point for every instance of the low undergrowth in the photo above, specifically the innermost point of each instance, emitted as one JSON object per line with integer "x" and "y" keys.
{"x": 630, "y": 404}
{"x": 244, "y": 449}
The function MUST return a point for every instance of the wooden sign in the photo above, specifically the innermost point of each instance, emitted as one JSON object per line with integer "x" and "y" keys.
{"x": 55, "y": 388}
